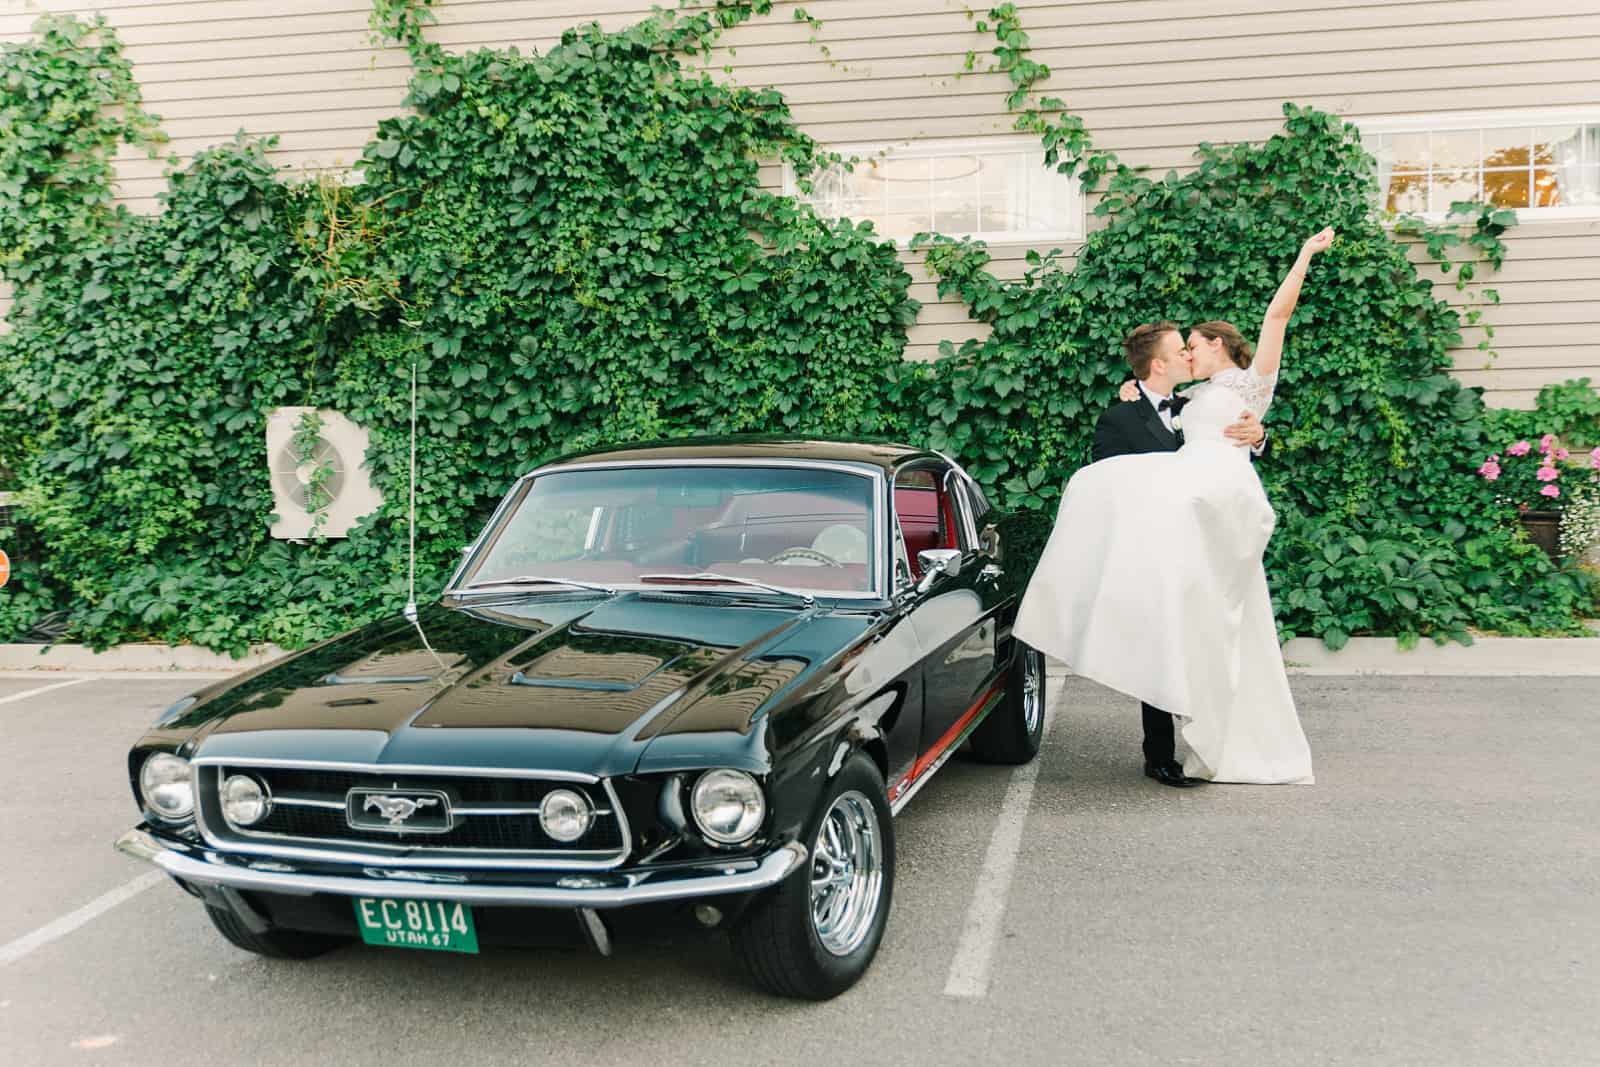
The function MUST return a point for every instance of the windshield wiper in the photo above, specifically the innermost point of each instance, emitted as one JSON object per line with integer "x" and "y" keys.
{"x": 710, "y": 576}
{"x": 539, "y": 579}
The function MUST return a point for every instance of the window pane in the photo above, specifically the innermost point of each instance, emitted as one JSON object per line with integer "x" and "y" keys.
{"x": 1408, "y": 193}
{"x": 1567, "y": 158}
{"x": 1050, "y": 197}
{"x": 1505, "y": 148}
{"x": 1005, "y": 189}
{"x": 903, "y": 185}
{"x": 1409, "y": 151}
{"x": 1560, "y": 146}
{"x": 1506, "y": 188}
{"x": 955, "y": 193}
{"x": 1448, "y": 187}
{"x": 1570, "y": 186}
{"x": 1454, "y": 150}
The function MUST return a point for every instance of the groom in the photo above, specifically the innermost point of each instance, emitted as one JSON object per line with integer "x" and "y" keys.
{"x": 1160, "y": 362}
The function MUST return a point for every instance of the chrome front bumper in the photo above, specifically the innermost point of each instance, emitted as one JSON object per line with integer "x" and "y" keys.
{"x": 201, "y": 866}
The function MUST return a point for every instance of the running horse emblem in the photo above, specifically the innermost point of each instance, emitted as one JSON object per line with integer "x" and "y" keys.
{"x": 397, "y": 809}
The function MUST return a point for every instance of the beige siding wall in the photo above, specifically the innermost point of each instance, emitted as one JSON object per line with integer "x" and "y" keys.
{"x": 1152, "y": 78}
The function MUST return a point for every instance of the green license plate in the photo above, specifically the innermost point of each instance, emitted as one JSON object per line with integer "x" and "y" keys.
{"x": 444, "y": 925}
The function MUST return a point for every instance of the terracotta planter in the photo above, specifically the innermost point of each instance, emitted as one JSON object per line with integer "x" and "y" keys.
{"x": 1544, "y": 530}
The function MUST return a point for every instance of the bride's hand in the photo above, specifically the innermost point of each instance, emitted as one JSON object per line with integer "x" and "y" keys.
{"x": 1129, "y": 391}
{"x": 1318, "y": 242}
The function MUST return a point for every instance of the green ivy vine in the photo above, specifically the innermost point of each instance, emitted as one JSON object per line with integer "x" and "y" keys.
{"x": 574, "y": 249}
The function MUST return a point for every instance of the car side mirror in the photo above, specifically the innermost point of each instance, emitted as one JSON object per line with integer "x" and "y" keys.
{"x": 937, "y": 561}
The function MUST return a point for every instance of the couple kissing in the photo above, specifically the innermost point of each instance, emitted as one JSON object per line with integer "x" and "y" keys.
{"x": 1152, "y": 581}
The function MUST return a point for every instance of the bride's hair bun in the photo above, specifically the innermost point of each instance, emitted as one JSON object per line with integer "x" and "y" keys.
{"x": 1239, "y": 349}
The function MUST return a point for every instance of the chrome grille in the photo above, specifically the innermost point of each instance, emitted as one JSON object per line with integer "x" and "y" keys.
{"x": 494, "y": 816}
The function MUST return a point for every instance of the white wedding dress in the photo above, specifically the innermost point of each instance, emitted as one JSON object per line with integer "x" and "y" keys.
{"x": 1152, "y": 584}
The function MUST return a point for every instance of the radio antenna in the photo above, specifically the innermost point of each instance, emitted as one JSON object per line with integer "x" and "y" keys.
{"x": 411, "y": 527}
{"x": 411, "y": 517}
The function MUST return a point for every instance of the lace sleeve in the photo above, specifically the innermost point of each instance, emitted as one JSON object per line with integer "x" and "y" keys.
{"x": 1254, "y": 389}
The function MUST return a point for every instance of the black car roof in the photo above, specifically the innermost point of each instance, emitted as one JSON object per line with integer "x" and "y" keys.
{"x": 881, "y": 454}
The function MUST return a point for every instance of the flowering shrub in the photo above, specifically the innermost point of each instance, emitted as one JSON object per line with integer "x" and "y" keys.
{"x": 1550, "y": 478}
{"x": 1529, "y": 480}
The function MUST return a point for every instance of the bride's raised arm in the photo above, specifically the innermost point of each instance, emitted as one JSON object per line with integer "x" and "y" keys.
{"x": 1269, "y": 349}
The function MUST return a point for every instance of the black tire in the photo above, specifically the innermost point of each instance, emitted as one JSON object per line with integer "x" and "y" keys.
{"x": 276, "y": 943}
{"x": 778, "y": 942}
{"x": 1013, "y": 731}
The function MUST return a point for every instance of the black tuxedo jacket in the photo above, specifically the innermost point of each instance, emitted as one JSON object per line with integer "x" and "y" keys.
{"x": 1130, "y": 427}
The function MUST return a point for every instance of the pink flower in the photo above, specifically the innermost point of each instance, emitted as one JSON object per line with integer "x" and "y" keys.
{"x": 1562, "y": 453}
{"x": 1547, "y": 474}
{"x": 1594, "y": 459}
{"x": 1550, "y": 491}
{"x": 1519, "y": 449}
{"x": 1547, "y": 442}
{"x": 1490, "y": 470}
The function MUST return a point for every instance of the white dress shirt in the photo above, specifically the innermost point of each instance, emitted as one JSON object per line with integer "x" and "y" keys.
{"x": 1155, "y": 399}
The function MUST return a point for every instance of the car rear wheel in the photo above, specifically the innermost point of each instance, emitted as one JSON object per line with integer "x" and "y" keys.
{"x": 1013, "y": 731}
{"x": 815, "y": 934}
{"x": 274, "y": 942}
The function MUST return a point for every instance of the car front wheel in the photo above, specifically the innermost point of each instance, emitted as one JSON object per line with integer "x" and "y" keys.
{"x": 814, "y": 935}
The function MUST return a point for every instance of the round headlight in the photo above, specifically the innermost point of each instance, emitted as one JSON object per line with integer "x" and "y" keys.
{"x": 565, "y": 815}
{"x": 165, "y": 783}
{"x": 728, "y": 805}
{"x": 245, "y": 801}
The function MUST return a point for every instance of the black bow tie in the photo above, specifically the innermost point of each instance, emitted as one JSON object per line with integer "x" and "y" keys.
{"x": 1164, "y": 405}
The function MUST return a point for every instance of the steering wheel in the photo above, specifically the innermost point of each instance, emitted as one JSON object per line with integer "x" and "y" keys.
{"x": 805, "y": 553}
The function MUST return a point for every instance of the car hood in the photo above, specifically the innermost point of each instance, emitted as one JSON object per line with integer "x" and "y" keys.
{"x": 545, "y": 682}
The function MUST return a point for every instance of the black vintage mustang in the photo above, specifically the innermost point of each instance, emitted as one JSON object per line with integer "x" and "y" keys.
{"x": 697, "y": 677}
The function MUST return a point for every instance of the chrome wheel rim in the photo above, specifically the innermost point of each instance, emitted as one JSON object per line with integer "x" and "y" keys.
{"x": 846, "y": 874}
{"x": 1032, "y": 691}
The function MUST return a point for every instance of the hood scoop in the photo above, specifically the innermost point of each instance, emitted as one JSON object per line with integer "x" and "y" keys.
{"x": 376, "y": 679}
{"x": 520, "y": 678}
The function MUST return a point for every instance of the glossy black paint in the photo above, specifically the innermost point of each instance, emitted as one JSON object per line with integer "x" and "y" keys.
{"x": 643, "y": 688}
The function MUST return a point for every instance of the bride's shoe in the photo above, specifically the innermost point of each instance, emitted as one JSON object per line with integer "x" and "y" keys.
{"x": 1171, "y": 774}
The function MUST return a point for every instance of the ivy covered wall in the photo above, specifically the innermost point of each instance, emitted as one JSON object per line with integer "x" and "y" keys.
{"x": 574, "y": 249}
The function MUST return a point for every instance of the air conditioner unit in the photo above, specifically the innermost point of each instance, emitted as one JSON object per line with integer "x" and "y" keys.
{"x": 344, "y": 490}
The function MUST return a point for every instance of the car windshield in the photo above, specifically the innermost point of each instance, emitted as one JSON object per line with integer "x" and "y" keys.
{"x": 794, "y": 528}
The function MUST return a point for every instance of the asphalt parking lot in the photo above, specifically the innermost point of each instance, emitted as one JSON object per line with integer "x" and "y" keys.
{"x": 1432, "y": 899}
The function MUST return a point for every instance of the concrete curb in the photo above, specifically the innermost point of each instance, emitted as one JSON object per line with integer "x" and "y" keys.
{"x": 1488, "y": 657}
{"x": 125, "y": 658}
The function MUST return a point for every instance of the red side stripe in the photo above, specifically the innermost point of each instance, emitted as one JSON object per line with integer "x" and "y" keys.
{"x": 927, "y": 759}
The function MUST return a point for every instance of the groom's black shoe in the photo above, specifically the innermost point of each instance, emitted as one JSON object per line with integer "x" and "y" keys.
{"x": 1171, "y": 774}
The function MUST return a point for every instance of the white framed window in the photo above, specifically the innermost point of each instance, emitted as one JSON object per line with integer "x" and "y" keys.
{"x": 1545, "y": 164}
{"x": 995, "y": 188}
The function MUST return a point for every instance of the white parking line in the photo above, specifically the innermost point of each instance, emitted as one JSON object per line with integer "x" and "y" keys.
{"x": 51, "y": 931}
{"x": 41, "y": 689}
{"x": 969, "y": 971}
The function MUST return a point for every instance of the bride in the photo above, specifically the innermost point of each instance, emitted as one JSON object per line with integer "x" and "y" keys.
{"x": 1152, "y": 581}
